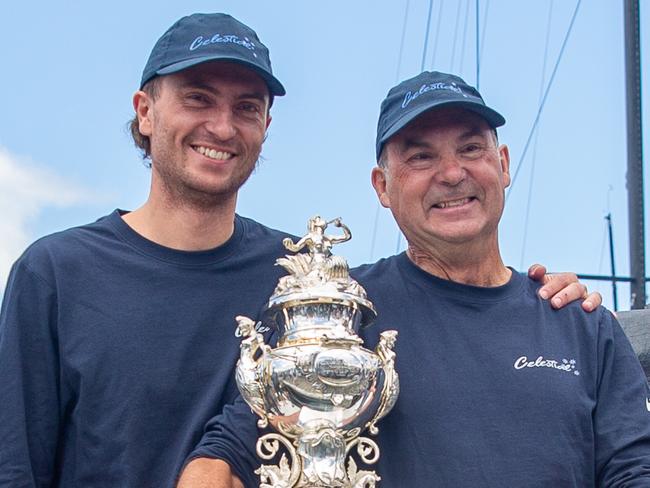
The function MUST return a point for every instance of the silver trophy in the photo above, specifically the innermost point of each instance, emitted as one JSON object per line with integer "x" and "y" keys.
{"x": 319, "y": 388}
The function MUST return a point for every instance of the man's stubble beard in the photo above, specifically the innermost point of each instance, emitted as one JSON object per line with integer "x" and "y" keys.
{"x": 177, "y": 184}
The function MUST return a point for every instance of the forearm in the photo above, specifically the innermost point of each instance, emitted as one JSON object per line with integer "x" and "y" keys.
{"x": 621, "y": 420}
{"x": 232, "y": 437}
{"x": 208, "y": 473}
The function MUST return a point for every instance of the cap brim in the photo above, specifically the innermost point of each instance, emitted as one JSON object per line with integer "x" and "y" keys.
{"x": 492, "y": 117}
{"x": 275, "y": 87}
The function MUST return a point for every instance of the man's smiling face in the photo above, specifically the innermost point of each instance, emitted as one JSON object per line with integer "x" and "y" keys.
{"x": 206, "y": 126}
{"x": 444, "y": 178}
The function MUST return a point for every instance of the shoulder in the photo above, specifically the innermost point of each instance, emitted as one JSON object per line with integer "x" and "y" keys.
{"x": 57, "y": 250}
{"x": 382, "y": 280}
{"x": 379, "y": 269}
{"x": 254, "y": 229}
{"x": 259, "y": 241}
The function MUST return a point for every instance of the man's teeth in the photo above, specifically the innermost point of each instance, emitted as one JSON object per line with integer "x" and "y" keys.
{"x": 452, "y": 203}
{"x": 213, "y": 153}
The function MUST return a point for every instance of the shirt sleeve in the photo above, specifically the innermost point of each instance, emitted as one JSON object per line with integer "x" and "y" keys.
{"x": 232, "y": 436}
{"x": 622, "y": 413}
{"x": 29, "y": 407}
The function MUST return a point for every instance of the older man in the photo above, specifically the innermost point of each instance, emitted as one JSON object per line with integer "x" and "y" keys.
{"x": 497, "y": 389}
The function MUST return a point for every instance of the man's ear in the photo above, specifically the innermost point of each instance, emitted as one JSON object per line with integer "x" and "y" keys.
{"x": 142, "y": 106}
{"x": 504, "y": 159}
{"x": 378, "y": 178}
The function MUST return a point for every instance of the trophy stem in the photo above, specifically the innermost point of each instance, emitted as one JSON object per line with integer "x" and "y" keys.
{"x": 322, "y": 450}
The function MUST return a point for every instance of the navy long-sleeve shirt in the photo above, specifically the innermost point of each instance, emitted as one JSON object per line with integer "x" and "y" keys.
{"x": 115, "y": 351}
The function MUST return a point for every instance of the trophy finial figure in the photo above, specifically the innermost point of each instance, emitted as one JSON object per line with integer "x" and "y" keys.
{"x": 318, "y": 266}
{"x": 318, "y": 243}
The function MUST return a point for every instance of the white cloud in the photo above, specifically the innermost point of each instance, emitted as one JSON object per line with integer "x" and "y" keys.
{"x": 25, "y": 190}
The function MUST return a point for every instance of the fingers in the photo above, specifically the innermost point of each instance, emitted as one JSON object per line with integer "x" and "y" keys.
{"x": 537, "y": 272}
{"x": 567, "y": 294}
{"x": 592, "y": 302}
{"x": 563, "y": 288}
{"x": 557, "y": 282}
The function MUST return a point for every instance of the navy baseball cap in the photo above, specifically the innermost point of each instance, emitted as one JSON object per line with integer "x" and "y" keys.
{"x": 426, "y": 91}
{"x": 199, "y": 38}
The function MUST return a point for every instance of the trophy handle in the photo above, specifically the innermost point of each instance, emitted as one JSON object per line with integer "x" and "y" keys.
{"x": 252, "y": 355}
{"x": 390, "y": 391}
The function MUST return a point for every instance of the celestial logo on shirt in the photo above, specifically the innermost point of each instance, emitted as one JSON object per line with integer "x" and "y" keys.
{"x": 647, "y": 404}
{"x": 262, "y": 329}
{"x": 566, "y": 365}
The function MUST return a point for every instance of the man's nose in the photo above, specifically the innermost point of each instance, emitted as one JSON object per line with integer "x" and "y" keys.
{"x": 221, "y": 125}
{"x": 450, "y": 171}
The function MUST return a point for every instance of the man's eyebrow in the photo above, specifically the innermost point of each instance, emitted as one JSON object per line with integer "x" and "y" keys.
{"x": 195, "y": 84}
{"x": 412, "y": 142}
{"x": 262, "y": 97}
{"x": 473, "y": 131}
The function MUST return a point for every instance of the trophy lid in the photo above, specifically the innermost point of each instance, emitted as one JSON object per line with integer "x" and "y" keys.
{"x": 317, "y": 276}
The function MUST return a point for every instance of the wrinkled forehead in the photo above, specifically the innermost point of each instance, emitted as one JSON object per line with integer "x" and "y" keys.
{"x": 446, "y": 119}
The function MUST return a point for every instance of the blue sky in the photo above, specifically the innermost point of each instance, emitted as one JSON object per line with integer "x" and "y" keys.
{"x": 70, "y": 69}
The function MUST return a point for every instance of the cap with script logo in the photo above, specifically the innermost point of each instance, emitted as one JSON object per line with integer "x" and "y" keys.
{"x": 428, "y": 90}
{"x": 199, "y": 38}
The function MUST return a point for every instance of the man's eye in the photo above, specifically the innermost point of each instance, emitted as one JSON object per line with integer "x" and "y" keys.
{"x": 472, "y": 147}
{"x": 197, "y": 98}
{"x": 418, "y": 156}
{"x": 249, "y": 107}
{"x": 423, "y": 156}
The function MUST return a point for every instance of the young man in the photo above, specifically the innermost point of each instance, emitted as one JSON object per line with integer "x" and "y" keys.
{"x": 117, "y": 338}
{"x": 496, "y": 389}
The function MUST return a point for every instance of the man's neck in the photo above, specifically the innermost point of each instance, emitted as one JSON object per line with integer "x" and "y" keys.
{"x": 477, "y": 267}
{"x": 183, "y": 227}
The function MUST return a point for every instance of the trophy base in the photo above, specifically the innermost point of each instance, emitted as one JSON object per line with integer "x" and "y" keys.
{"x": 318, "y": 462}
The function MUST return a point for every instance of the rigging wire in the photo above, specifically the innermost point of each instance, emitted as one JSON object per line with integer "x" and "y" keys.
{"x": 435, "y": 42}
{"x": 424, "y": 56}
{"x": 485, "y": 17}
{"x": 534, "y": 155}
{"x": 375, "y": 226}
{"x": 453, "y": 46}
{"x": 462, "y": 50}
{"x": 476, "y": 38}
{"x": 546, "y": 92}
{"x": 605, "y": 231}
{"x": 603, "y": 243}
{"x": 426, "y": 37}
{"x": 401, "y": 44}
{"x": 373, "y": 240}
